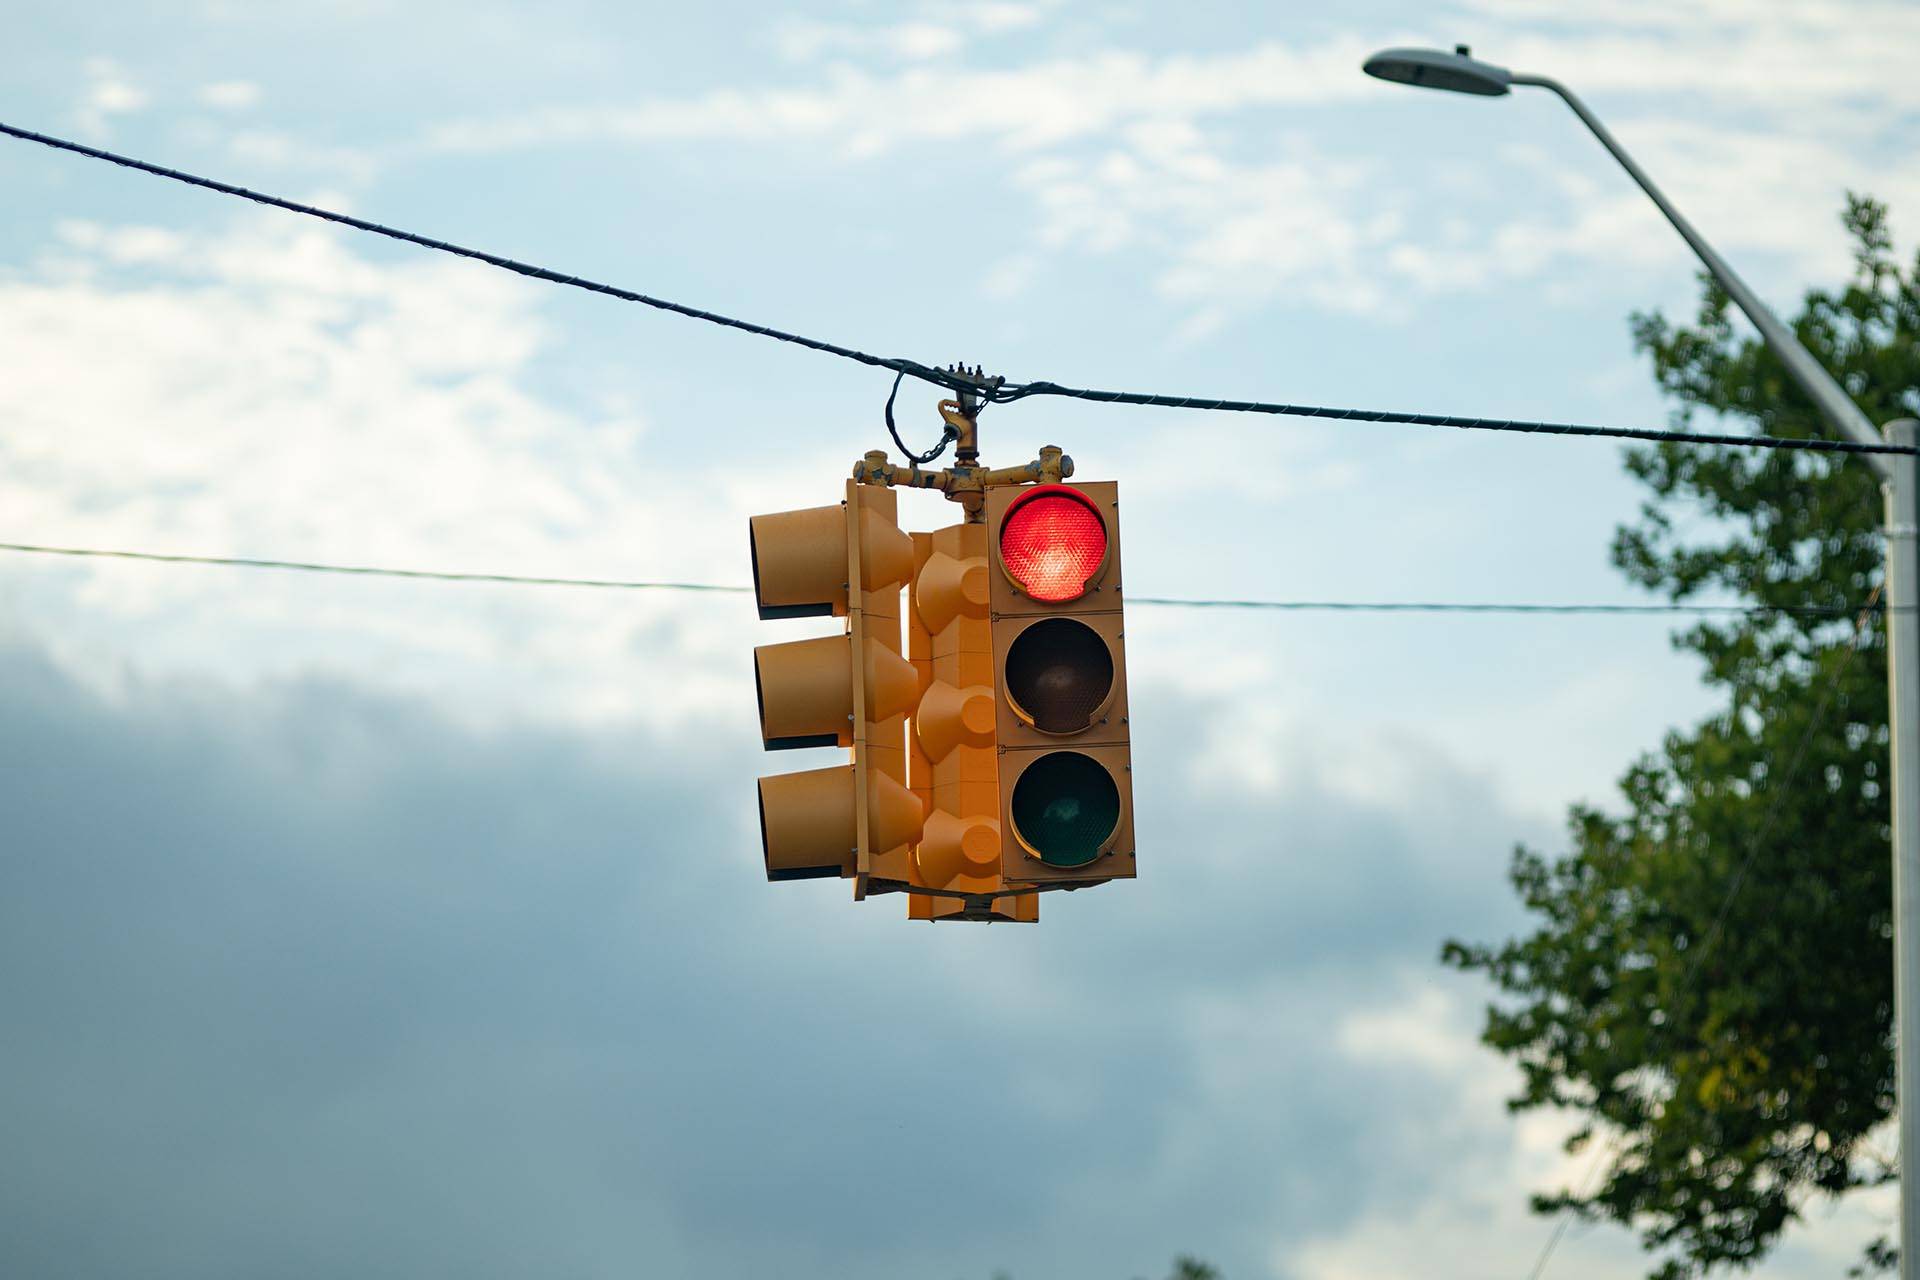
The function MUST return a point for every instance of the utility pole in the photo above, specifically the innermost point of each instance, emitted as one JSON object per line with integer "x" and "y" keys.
{"x": 1902, "y": 488}
{"x": 1459, "y": 72}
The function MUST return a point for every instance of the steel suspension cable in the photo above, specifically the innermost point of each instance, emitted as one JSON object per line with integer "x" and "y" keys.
{"x": 914, "y": 368}
{"x": 988, "y": 391}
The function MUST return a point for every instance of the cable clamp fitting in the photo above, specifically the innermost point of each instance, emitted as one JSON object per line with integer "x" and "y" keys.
{"x": 1903, "y": 531}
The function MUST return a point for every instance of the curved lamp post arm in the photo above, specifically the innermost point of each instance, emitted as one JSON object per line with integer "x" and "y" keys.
{"x": 1834, "y": 404}
{"x": 1460, "y": 72}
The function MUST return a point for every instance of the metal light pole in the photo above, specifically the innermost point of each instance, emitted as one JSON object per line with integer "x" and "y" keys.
{"x": 1458, "y": 72}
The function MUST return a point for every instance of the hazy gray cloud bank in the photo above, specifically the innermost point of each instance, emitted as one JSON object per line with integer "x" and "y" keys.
{"x": 310, "y": 983}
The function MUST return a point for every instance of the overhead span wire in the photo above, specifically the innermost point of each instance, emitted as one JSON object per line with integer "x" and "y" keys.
{"x": 1813, "y": 444}
{"x": 990, "y": 391}
{"x": 491, "y": 259}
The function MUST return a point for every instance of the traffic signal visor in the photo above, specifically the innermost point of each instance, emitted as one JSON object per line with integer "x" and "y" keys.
{"x": 854, "y": 689}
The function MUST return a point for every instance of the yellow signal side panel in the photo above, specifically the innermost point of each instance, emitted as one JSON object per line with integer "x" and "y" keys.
{"x": 955, "y": 749}
{"x": 920, "y": 654}
{"x": 888, "y": 817}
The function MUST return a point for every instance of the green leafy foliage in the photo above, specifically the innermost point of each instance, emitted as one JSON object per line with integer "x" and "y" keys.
{"x": 1190, "y": 1268}
{"x": 1730, "y": 1054}
{"x": 1185, "y": 1267}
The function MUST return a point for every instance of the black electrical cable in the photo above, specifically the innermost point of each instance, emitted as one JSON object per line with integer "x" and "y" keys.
{"x": 987, "y": 391}
{"x": 1442, "y": 420}
{"x": 916, "y": 459}
{"x": 936, "y": 376}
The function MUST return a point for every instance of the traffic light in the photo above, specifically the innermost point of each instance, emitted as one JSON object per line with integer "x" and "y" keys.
{"x": 990, "y": 742}
{"x": 954, "y": 750}
{"x": 1064, "y": 789}
{"x": 854, "y": 689}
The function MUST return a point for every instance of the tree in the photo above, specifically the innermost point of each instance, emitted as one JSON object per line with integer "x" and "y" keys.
{"x": 1188, "y": 1267}
{"x": 1729, "y": 1052}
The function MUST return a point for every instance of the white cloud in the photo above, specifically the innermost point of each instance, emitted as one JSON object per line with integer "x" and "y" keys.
{"x": 1835, "y": 63}
{"x": 907, "y": 41}
{"x": 230, "y": 95}
{"x": 940, "y": 30}
{"x": 995, "y": 16}
{"x": 1169, "y": 158}
{"x": 279, "y": 149}
{"x": 1473, "y": 1219}
{"x": 1714, "y": 173}
{"x": 108, "y": 93}
{"x": 1846, "y": 59}
{"x": 267, "y": 392}
{"x": 1422, "y": 1033}
{"x": 1010, "y": 277}
{"x": 124, "y": 245}
{"x": 1024, "y": 107}
{"x": 1269, "y": 467}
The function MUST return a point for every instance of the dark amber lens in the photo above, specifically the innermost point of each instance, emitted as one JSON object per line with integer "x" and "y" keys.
{"x": 1065, "y": 807}
{"x": 1059, "y": 672}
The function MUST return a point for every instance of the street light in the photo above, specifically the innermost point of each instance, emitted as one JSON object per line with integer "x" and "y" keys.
{"x": 1456, "y": 72}
{"x": 1460, "y": 72}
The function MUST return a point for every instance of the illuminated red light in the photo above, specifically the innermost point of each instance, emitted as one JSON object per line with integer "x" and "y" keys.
{"x": 1052, "y": 542}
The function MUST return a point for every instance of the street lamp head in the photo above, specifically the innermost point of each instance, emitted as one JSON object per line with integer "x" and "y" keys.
{"x": 1437, "y": 69}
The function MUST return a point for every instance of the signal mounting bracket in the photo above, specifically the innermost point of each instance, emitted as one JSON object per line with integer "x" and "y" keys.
{"x": 963, "y": 412}
{"x": 966, "y": 482}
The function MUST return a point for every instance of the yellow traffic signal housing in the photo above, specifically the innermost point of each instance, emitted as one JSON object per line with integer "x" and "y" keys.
{"x": 1064, "y": 786}
{"x": 851, "y": 690}
{"x": 991, "y": 741}
{"x": 955, "y": 741}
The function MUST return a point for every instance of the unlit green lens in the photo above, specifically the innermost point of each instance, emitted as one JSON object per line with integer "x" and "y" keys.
{"x": 1065, "y": 807}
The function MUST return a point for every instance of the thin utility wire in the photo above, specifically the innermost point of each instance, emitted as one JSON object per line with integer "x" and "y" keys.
{"x": 1698, "y": 956}
{"x": 370, "y": 571}
{"x": 988, "y": 390}
{"x": 1455, "y": 606}
{"x": 1174, "y": 602}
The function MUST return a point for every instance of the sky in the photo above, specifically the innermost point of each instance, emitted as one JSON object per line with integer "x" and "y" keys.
{"x": 395, "y": 928}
